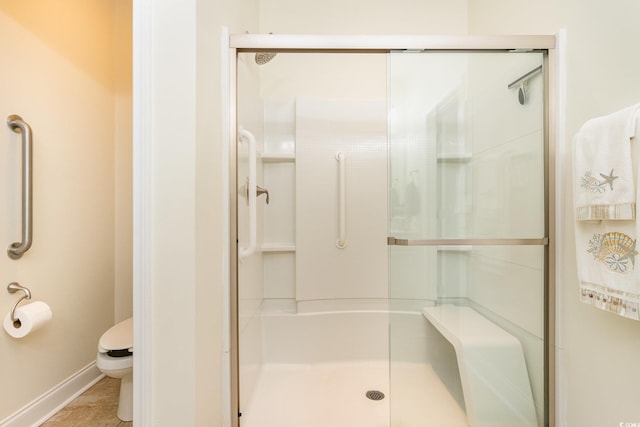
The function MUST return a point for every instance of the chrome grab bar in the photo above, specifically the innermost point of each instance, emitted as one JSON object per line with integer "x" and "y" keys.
{"x": 17, "y": 249}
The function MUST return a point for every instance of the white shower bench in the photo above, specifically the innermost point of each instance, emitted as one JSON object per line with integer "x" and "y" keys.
{"x": 493, "y": 373}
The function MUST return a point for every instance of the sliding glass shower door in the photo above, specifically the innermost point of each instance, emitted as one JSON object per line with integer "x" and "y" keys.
{"x": 390, "y": 232}
{"x": 468, "y": 236}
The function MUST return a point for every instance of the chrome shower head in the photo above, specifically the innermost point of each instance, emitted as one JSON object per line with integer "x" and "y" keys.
{"x": 264, "y": 57}
{"x": 522, "y": 94}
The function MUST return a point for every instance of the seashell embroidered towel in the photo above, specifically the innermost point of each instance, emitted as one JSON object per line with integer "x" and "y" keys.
{"x": 606, "y": 226}
{"x": 604, "y": 180}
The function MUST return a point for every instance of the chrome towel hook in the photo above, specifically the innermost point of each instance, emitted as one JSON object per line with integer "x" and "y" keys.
{"x": 14, "y": 287}
{"x": 16, "y": 124}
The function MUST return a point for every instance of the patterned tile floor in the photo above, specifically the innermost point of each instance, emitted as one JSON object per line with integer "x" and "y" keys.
{"x": 96, "y": 407}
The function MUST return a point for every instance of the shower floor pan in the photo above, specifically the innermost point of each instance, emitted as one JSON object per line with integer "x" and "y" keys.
{"x": 334, "y": 394}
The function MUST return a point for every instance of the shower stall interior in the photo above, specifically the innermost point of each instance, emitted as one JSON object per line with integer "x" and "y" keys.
{"x": 391, "y": 231}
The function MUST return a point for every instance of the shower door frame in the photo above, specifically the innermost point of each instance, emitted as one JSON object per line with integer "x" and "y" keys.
{"x": 234, "y": 44}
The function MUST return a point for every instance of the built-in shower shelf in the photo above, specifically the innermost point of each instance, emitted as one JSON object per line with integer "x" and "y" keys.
{"x": 455, "y": 157}
{"x": 278, "y": 248}
{"x": 278, "y": 157}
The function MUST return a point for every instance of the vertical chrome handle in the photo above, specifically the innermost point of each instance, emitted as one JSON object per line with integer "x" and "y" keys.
{"x": 17, "y": 249}
{"x": 341, "y": 242}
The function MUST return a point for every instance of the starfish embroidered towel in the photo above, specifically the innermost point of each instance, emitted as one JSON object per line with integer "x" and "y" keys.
{"x": 606, "y": 247}
{"x": 604, "y": 179}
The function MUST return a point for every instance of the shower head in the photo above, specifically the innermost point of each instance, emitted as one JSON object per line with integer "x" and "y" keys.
{"x": 264, "y": 57}
{"x": 522, "y": 94}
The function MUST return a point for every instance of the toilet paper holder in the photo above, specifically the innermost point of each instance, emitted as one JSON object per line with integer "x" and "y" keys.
{"x": 14, "y": 287}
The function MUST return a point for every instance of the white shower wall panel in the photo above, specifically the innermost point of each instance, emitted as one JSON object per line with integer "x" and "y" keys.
{"x": 326, "y": 76}
{"x": 512, "y": 291}
{"x": 497, "y": 116}
{"x": 279, "y": 127}
{"x": 352, "y": 336}
{"x": 413, "y": 273}
{"x": 325, "y": 337}
{"x": 508, "y": 163}
{"x": 508, "y": 195}
{"x": 507, "y": 187}
{"x": 279, "y": 275}
{"x": 358, "y": 130}
{"x": 453, "y": 272}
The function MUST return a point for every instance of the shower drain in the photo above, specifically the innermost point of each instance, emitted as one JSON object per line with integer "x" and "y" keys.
{"x": 375, "y": 395}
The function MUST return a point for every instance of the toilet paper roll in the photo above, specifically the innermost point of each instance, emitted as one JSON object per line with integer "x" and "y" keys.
{"x": 31, "y": 317}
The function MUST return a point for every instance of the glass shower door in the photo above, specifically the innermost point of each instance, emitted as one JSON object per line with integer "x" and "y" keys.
{"x": 467, "y": 203}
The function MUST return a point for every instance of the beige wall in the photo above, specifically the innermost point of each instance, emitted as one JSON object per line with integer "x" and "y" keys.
{"x": 58, "y": 73}
{"x": 356, "y": 17}
{"x": 123, "y": 201}
{"x": 600, "y": 70}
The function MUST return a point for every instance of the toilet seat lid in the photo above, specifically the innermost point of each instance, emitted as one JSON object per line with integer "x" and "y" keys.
{"x": 118, "y": 337}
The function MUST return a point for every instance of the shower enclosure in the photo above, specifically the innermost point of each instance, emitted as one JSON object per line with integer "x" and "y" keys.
{"x": 391, "y": 231}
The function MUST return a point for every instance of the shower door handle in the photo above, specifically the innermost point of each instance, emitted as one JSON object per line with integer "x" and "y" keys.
{"x": 17, "y": 249}
{"x": 341, "y": 241}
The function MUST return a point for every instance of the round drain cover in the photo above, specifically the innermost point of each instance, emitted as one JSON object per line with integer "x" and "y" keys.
{"x": 375, "y": 395}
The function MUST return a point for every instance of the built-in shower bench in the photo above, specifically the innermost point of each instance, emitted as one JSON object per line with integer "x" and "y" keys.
{"x": 493, "y": 373}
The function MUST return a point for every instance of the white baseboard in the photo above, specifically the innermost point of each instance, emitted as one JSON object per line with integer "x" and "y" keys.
{"x": 49, "y": 403}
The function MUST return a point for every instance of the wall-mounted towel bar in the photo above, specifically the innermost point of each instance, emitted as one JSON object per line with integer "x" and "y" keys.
{"x": 17, "y": 249}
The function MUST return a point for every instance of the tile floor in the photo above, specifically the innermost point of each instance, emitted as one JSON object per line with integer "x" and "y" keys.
{"x": 96, "y": 407}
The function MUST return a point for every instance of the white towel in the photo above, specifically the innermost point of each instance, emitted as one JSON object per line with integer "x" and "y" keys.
{"x": 606, "y": 252}
{"x": 604, "y": 180}
{"x": 607, "y": 259}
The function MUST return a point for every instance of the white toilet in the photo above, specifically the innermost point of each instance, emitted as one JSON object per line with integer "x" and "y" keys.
{"x": 115, "y": 360}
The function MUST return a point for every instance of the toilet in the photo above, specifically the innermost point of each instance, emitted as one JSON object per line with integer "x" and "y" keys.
{"x": 115, "y": 360}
